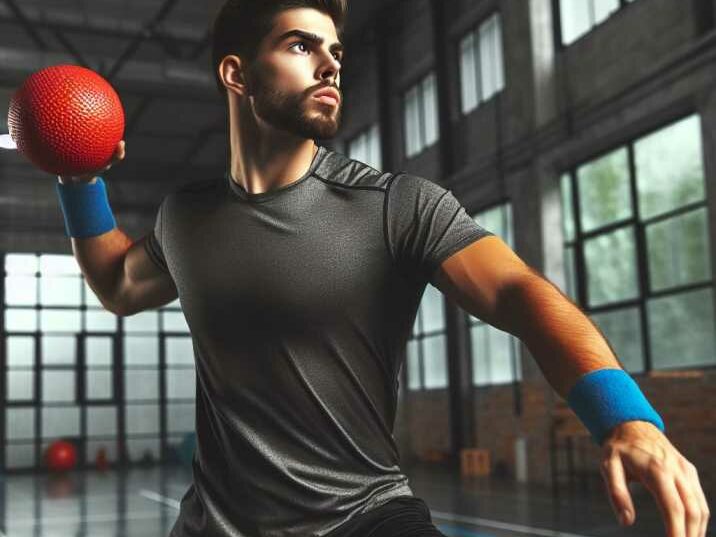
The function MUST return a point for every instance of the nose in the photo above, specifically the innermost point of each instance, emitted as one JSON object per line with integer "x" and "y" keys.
{"x": 330, "y": 70}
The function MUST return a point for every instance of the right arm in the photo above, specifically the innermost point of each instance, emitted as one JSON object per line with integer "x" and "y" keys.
{"x": 119, "y": 270}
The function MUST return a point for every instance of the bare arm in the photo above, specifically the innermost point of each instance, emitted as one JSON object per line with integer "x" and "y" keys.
{"x": 119, "y": 270}
{"x": 489, "y": 281}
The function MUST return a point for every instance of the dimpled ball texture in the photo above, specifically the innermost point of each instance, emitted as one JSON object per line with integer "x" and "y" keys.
{"x": 67, "y": 120}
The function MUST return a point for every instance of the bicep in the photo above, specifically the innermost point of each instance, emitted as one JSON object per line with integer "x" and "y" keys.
{"x": 477, "y": 276}
{"x": 145, "y": 285}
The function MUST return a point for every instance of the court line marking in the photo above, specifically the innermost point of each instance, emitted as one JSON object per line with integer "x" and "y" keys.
{"x": 519, "y": 528}
{"x": 110, "y": 517}
{"x": 156, "y": 497}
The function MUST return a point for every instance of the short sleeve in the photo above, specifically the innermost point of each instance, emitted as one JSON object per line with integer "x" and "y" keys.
{"x": 425, "y": 225}
{"x": 154, "y": 239}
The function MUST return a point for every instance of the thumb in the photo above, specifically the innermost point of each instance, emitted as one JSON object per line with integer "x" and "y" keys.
{"x": 612, "y": 471}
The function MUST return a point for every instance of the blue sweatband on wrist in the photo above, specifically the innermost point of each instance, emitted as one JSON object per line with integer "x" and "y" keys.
{"x": 605, "y": 398}
{"x": 86, "y": 209}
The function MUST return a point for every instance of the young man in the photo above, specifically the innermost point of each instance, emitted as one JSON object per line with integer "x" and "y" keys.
{"x": 300, "y": 273}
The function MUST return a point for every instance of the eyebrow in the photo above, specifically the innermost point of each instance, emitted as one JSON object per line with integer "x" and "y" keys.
{"x": 309, "y": 36}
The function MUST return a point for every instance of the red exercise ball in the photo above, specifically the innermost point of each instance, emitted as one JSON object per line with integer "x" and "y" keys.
{"x": 61, "y": 455}
{"x": 67, "y": 120}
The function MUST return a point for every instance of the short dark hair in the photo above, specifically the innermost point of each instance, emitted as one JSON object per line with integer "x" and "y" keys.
{"x": 242, "y": 24}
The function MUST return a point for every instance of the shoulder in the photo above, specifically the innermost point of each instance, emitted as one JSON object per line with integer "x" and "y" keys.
{"x": 340, "y": 170}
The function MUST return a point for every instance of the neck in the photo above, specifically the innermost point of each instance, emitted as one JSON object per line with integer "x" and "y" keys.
{"x": 263, "y": 158}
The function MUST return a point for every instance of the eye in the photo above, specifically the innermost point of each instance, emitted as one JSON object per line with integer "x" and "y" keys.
{"x": 338, "y": 56}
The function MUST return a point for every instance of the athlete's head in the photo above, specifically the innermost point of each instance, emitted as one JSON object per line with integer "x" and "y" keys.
{"x": 275, "y": 72}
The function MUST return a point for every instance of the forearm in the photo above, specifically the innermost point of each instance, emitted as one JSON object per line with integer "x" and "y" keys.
{"x": 563, "y": 340}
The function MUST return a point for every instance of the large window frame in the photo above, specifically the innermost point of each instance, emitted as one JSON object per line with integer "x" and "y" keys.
{"x": 593, "y": 16}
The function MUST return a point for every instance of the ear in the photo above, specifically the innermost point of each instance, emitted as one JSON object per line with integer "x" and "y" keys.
{"x": 232, "y": 75}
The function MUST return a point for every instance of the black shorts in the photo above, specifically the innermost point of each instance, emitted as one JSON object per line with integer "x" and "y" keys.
{"x": 404, "y": 516}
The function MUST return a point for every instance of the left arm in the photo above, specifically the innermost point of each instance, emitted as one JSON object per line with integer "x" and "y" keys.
{"x": 488, "y": 280}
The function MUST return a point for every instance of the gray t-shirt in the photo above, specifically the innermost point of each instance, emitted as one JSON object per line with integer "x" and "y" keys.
{"x": 300, "y": 302}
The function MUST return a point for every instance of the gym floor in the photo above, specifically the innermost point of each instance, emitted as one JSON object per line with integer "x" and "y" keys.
{"x": 145, "y": 501}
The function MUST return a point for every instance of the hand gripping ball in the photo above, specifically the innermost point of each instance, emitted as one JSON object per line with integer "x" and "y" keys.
{"x": 67, "y": 120}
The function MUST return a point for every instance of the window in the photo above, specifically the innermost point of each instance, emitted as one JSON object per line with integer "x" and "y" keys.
{"x": 420, "y": 113}
{"x": 427, "y": 349}
{"x": 481, "y": 63}
{"x": 577, "y": 17}
{"x": 366, "y": 148}
{"x": 494, "y": 352}
{"x": 641, "y": 267}
{"x": 61, "y": 356}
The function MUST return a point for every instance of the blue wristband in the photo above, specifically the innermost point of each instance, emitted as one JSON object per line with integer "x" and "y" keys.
{"x": 605, "y": 398}
{"x": 86, "y": 209}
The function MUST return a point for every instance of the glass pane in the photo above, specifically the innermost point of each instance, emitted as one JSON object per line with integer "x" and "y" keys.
{"x": 21, "y": 263}
{"x": 480, "y": 347}
{"x": 175, "y": 304}
{"x": 98, "y": 351}
{"x": 412, "y": 122}
{"x": 53, "y": 264}
{"x": 468, "y": 73}
{"x": 604, "y": 192}
{"x": 20, "y": 385}
{"x": 431, "y": 307}
{"x": 669, "y": 168}
{"x": 98, "y": 383}
{"x": 58, "y": 350}
{"x": 622, "y": 329}
{"x": 58, "y": 386}
{"x": 90, "y": 297}
{"x": 141, "y": 384}
{"x": 20, "y": 351}
{"x": 140, "y": 449}
{"x": 493, "y": 220}
{"x": 413, "y": 363}
{"x": 20, "y": 320}
{"x": 500, "y": 357}
{"x": 101, "y": 321}
{"x": 60, "y": 291}
{"x": 174, "y": 321}
{"x": 20, "y": 423}
{"x": 179, "y": 350}
{"x": 417, "y": 325}
{"x": 20, "y": 290}
{"x": 681, "y": 330}
{"x": 435, "y": 362}
{"x": 375, "y": 157}
{"x": 567, "y": 209}
{"x": 575, "y": 19}
{"x": 489, "y": 46}
{"x": 604, "y": 8}
{"x": 60, "y": 421}
{"x": 180, "y": 418}
{"x": 678, "y": 250}
{"x": 430, "y": 109}
{"x": 19, "y": 456}
{"x": 101, "y": 421}
{"x": 141, "y": 350}
{"x": 356, "y": 148}
{"x": 145, "y": 321}
{"x": 611, "y": 267}
{"x": 570, "y": 271}
{"x": 60, "y": 320}
{"x": 142, "y": 419}
{"x": 181, "y": 383}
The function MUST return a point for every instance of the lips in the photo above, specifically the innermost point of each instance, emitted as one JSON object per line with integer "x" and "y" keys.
{"x": 324, "y": 94}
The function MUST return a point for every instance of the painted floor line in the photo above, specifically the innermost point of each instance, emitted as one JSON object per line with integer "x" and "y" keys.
{"x": 460, "y": 531}
{"x": 150, "y": 495}
{"x": 71, "y": 520}
{"x": 502, "y": 525}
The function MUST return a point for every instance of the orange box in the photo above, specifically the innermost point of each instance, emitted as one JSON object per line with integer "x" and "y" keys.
{"x": 474, "y": 462}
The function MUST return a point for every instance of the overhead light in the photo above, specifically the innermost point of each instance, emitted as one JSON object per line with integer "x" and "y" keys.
{"x": 6, "y": 142}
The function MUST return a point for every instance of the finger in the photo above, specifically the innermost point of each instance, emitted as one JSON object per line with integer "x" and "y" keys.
{"x": 667, "y": 497}
{"x": 693, "y": 476}
{"x": 692, "y": 509}
{"x": 619, "y": 496}
{"x": 121, "y": 149}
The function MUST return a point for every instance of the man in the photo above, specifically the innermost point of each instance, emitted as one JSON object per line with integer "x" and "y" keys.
{"x": 300, "y": 273}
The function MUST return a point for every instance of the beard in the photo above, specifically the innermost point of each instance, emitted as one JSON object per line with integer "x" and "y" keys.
{"x": 294, "y": 113}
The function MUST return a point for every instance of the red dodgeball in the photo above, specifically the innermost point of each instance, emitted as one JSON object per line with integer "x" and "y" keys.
{"x": 66, "y": 120}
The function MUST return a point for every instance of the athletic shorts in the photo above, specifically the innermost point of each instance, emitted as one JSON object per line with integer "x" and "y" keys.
{"x": 403, "y": 516}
